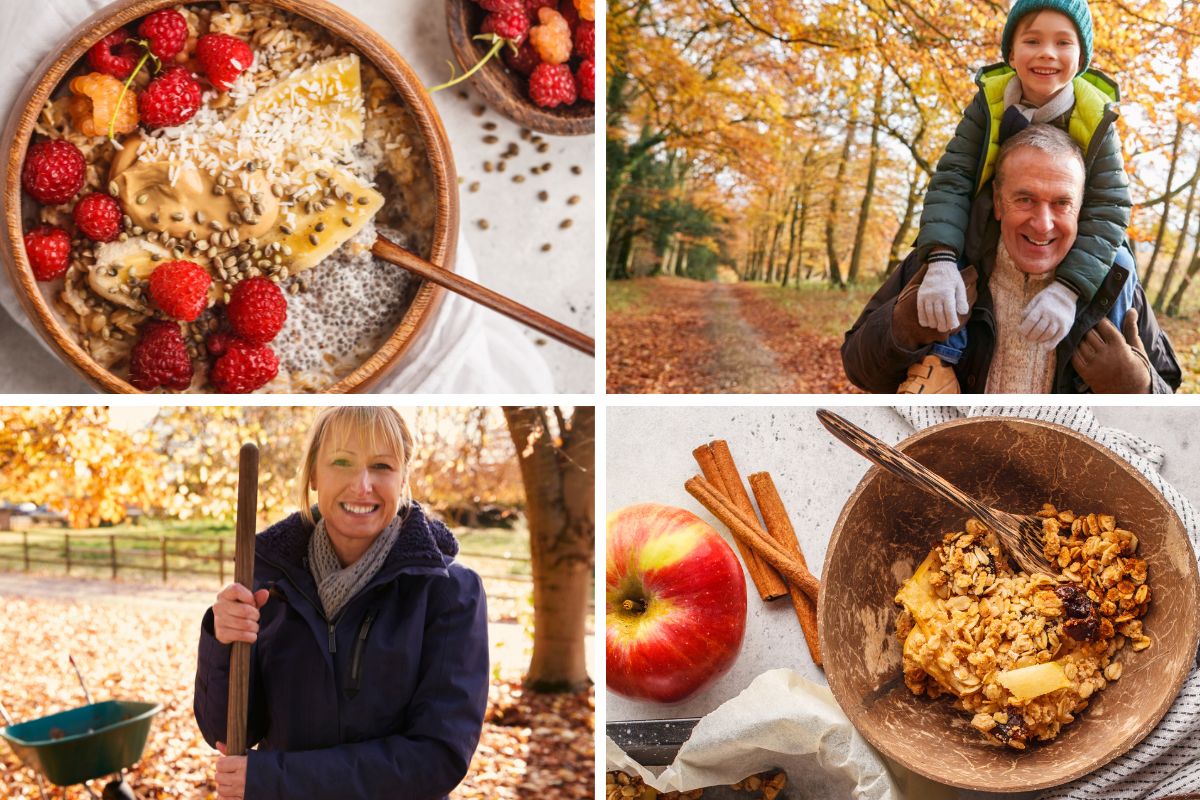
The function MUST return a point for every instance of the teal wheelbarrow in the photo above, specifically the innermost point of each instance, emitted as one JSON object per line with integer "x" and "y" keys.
{"x": 82, "y": 744}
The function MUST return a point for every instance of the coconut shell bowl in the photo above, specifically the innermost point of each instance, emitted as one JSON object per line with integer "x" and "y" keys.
{"x": 888, "y": 526}
{"x": 504, "y": 89}
{"x": 433, "y": 233}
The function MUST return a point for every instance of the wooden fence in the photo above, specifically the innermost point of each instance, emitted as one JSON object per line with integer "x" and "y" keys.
{"x": 190, "y": 555}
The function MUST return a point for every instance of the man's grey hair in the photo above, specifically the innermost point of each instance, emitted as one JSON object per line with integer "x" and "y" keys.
{"x": 1053, "y": 141}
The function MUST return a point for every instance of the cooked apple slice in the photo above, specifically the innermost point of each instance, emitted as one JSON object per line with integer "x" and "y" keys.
{"x": 1026, "y": 683}
{"x": 917, "y": 595}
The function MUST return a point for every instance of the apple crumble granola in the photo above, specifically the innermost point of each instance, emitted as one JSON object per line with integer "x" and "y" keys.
{"x": 1024, "y": 653}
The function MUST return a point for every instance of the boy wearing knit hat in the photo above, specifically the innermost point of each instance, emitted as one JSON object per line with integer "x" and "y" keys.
{"x": 1047, "y": 47}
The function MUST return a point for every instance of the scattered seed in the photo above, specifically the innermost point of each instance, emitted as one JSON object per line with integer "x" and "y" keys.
{"x": 576, "y": 169}
{"x": 113, "y": 188}
{"x": 202, "y": 245}
{"x": 287, "y": 249}
{"x": 218, "y": 190}
{"x": 487, "y": 166}
{"x": 216, "y": 225}
{"x": 546, "y": 166}
{"x": 546, "y": 247}
{"x": 154, "y": 217}
{"x": 177, "y": 216}
{"x": 491, "y": 139}
{"x": 128, "y": 220}
{"x": 543, "y": 147}
{"x": 364, "y": 200}
{"x": 500, "y": 167}
{"x": 518, "y": 178}
{"x": 191, "y": 236}
{"x": 346, "y": 221}
{"x": 462, "y": 93}
{"x": 474, "y": 187}
{"x": 566, "y": 223}
{"x": 320, "y": 227}
{"x": 225, "y": 240}
{"x": 155, "y": 257}
{"x": 313, "y": 239}
{"x": 573, "y": 199}
{"x": 323, "y": 174}
{"x": 142, "y": 198}
{"x": 489, "y": 126}
{"x": 535, "y": 170}
{"x": 215, "y": 240}
{"x": 543, "y": 195}
{"x": 294, "y": 289}
{"x": 201, "y": 218}
{"x": 250, "y": 220}
{"x": 478, "y": 111}
{"x": 276, "y": 190}
{"x": 259, "y": 209}
{"x": 484, "y": 224}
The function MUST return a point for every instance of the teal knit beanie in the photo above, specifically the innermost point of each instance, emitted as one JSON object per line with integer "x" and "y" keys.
{"x": 1077, "y": 10}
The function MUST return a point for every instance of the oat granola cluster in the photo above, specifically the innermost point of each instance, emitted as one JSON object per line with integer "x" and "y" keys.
{"x": 1024, "y": 653}
{"x": 622, "y": 786}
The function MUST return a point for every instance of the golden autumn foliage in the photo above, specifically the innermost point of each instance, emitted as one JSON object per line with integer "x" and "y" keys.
{"x": 183, "y": 464}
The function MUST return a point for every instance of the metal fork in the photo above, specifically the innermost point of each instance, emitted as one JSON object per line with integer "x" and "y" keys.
{"x": 1021, "y": 534}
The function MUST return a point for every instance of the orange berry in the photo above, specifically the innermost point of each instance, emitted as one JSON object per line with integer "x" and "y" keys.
{"x": 586, "y": 9}
{"x": 94, "y": 101}
{"x": 552, "y": 38}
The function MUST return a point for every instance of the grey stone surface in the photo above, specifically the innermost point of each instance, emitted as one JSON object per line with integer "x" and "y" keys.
{"x": 649, "y": 458}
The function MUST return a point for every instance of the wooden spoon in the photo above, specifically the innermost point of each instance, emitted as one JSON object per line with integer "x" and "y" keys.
{"x": 243, "y": 572}
{"x": 1020, "y": 534}
{"x": 395, "y": 254}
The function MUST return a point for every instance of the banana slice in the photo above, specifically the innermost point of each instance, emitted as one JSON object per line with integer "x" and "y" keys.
{"x": 119, "y": 264}
{"x": 327, "y": 97}
{"x": 316, "y": 233}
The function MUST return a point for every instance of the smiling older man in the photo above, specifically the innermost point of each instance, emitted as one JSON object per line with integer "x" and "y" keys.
{"x": 1115, "y": 344}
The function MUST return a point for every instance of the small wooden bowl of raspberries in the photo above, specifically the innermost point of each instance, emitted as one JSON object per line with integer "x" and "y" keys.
{"x": 543, "y": 73}
{"x": 226, "y": 305}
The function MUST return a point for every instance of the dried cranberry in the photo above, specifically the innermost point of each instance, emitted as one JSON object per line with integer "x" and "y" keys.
{"x": 1082, "y": 623}
{"x": 1015, "y": 728}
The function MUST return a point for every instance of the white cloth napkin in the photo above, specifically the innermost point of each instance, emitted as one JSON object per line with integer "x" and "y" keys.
{"x": 468, "y": 349}
{"x": 1167, "y": 762}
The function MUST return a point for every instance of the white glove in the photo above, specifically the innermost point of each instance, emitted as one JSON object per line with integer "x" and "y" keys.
{"x": 942, "y": 297}
{"x": 1049, "y": 316}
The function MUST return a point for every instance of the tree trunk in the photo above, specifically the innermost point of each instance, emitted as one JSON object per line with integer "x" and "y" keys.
{"x": 864, "y": 211}
{"x": 1179, "y": 248}
{"x": 793, "y": 218}
{"x": 560, "y": 505}
{"x": 804, "y": 206}
{"x": 1193, "y": 268}
{"x": 914, "y": 191}
{"x": 835, "y": 271}
{"x": 1166, "y": 215}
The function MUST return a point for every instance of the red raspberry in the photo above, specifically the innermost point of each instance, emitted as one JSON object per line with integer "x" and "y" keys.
{"x": 510, "y": 25}
{"x": 525, "y": 59}
{"x": 502, "y": 6}
{"x": 171, "y": 99}
{"x": 585, "y": 40}
{"x": 585, "y": 77}
{"x": 53, "y": 171}
{"x": 114, "y": 55}
{"x": 180, "y": 289}
{"x": 223, "y": 58}
{"x": 257, "y": 310}
{"x": 99, "y": 217}
{"x": 160, "y": 358}
{"x": 165, "y": 32}
{"x": 551, "y": 85}
{"x": 244, "y": 367}
{"x": 218, "y": 343}
{"x": 532, "y": 6}
{"x": 49, "y": 251}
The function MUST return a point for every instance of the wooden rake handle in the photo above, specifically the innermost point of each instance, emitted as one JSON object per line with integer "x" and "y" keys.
{"x": 243, "y": 573}
{"x": 394, "y": 253}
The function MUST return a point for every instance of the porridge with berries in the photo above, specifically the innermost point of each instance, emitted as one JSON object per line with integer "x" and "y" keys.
{"x": 208, "y": 185}
{"x": 1023, "y": 654}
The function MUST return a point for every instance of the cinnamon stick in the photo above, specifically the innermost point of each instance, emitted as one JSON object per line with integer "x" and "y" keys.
{"x": 775, "y": 517}
{"x": 748, "y": 532}
{"x": 716, "y": 462}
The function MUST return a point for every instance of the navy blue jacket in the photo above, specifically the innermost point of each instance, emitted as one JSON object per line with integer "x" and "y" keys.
{"x": 384, "y": 701}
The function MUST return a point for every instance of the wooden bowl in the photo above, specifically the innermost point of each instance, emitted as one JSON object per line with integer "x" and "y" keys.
{"x": 887, "y": 527}
{"x": 504, "y": 90}
{"x": 46, "y": 78}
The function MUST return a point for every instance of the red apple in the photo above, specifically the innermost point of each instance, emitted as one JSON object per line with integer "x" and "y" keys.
{"x": 676, "y": 603}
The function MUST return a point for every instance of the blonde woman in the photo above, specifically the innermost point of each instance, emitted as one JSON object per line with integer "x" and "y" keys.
{"x": 369, "y": 666}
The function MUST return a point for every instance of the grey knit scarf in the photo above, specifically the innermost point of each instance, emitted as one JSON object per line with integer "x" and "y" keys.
{"x": 337, "y": 584}
{"x": 1060, "y": 104}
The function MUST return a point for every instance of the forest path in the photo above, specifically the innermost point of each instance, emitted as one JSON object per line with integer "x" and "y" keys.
{"x": 673, "y": 335}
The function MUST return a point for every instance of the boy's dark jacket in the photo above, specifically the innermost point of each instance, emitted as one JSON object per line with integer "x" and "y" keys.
{"x": 969, "y": 161}
{"x": 386, "y": 701}
{"x": 875, "y": 362}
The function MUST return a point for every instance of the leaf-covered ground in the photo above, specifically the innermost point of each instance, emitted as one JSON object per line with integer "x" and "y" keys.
{"x": 143, "y": 647}
{"x": 674, "y": 335}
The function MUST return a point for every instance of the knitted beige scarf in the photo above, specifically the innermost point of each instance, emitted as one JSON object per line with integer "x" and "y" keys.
{"x": 1018, "y": 367}
{"x": 337, "y": 584}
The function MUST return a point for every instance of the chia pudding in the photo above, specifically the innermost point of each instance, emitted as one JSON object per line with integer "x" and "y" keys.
{"x": 277, "y": 179}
